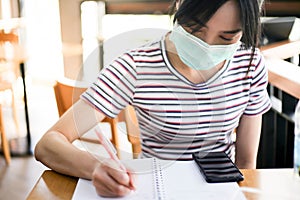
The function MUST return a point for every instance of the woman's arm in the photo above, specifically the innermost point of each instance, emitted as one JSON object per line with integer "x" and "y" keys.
{"x": 55, "y": 149}
{"x": 247, "y": 141}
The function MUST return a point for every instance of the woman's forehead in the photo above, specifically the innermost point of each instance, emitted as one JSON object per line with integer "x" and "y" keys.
{"x": 226, "y": 18}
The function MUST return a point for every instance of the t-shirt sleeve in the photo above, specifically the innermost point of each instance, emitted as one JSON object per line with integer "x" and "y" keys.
{"x": 259, "y": 101}
{"x": 114, "y": 87}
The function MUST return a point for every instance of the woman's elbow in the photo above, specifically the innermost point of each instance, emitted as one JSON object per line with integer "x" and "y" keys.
{"x": 44, "y": 147}
{"x": 39, "y": 150}
{"x": 246, "y": 163}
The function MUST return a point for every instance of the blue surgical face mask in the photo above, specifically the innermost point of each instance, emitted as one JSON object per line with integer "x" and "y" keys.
{"x": 197, "y": 54}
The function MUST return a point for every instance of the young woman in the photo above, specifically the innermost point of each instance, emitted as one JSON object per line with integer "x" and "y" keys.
{"x": 191, "y": 89}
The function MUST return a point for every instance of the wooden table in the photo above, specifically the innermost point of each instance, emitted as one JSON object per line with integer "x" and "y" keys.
{"x": 258, "y": 184}
{"x": 282, "y": 74}
{"x": 275, "y": 184}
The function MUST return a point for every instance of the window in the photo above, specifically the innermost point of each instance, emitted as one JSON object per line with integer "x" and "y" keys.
{"x": 107, "y": 35}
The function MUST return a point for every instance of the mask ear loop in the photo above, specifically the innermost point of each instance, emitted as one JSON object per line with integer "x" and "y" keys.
{"x": 260, "y": 3}
{"x": 178, "y": 3}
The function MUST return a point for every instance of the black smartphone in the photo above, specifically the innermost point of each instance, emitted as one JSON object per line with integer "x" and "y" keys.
{"x": 217, "y": 167}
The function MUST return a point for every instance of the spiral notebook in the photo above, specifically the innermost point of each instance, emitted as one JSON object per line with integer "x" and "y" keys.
{"x": 163, "y": 180}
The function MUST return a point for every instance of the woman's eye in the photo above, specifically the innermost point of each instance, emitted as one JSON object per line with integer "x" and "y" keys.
{"x": 226, "y": 39}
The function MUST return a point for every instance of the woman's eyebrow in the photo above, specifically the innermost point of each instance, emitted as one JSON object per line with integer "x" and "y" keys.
{"x": 232, "y": 31}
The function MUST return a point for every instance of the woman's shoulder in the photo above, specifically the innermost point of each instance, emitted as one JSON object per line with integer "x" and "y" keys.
{"x": 243, "y": 51}
{"x": 147, "y": 48}
{"x": 243, "y": 54}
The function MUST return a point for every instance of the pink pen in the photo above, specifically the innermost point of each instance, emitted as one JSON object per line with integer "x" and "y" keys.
{"x": 108, "y": 146}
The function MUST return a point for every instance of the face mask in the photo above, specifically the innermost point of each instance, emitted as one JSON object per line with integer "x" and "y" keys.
{"x": 197, "y": 54}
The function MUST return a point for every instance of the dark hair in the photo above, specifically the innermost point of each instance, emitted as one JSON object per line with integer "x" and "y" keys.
{"x": 196, "y": 13}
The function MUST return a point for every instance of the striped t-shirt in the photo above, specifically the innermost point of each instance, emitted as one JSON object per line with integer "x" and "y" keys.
{"x": 177, "y": 117}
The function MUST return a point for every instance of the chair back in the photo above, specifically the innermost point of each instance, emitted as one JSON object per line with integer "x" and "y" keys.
{"x": 9, "y": 37}
{"x": 67, "y": 92}
{"x": 8, "y": 67}
{"x": 11, "y": 55}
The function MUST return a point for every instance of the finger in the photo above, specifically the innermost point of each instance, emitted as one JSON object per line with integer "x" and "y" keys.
{"x": 100, "y": 179}
{"x": 118, "y": 174}
{"x": 132, "y": 179}
{"x": 102, "y": 190}
{"x": 108, "y": 187}
{"x": 105, "y": 184}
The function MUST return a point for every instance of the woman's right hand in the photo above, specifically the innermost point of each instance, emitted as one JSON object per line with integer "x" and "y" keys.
{"x": 111, "y": 181}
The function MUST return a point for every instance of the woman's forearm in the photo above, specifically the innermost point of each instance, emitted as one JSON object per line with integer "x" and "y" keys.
{"x": 57, "y": 153}
{"x": 247, "y": 141}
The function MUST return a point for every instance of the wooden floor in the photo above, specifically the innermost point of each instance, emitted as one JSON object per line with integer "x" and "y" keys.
{"x": 17, "y": 179}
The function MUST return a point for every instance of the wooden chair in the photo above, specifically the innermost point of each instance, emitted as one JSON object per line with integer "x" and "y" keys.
{"x": 8, "y": 37}
{"x": 133, "y": 131}
{"x": 8, "y": 76}
{"x": 68, "y": 92}
{"x": 9, "y": 72}
{"x": 9, "y": 68}
{"x": 4, "y": 141}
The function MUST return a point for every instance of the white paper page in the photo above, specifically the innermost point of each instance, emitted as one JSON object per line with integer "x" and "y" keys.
{"x": 86, "y": 190}
{"x": 144, "y": 184}
{"x": 183, "y": 180}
